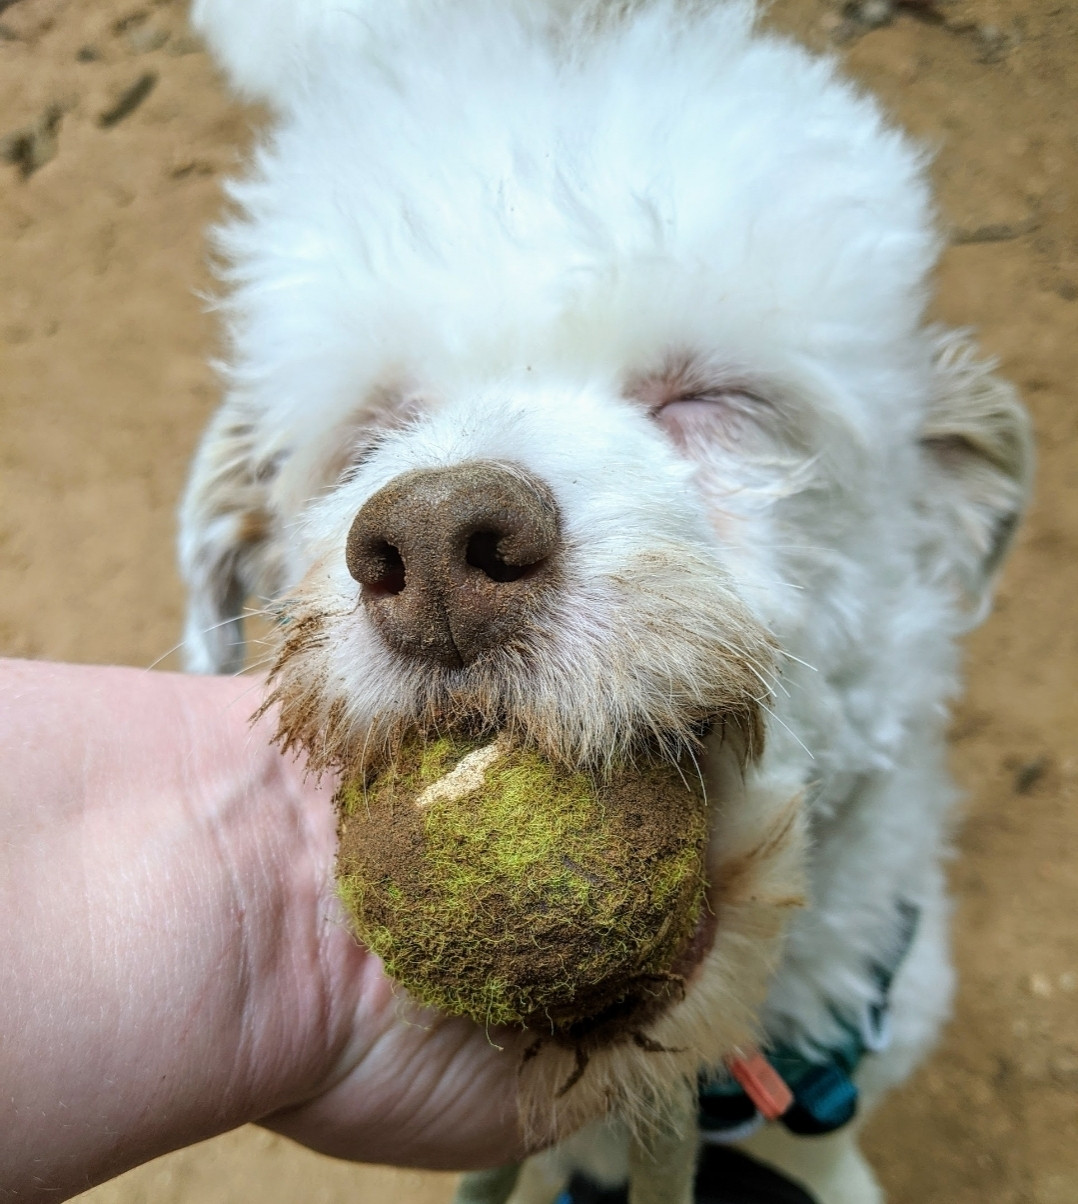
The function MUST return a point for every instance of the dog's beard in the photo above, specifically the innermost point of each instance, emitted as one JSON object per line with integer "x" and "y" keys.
{"x": 641, "y": 663}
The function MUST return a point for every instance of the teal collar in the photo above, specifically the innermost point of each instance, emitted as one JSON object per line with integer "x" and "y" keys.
{"x": 822, "y": 1085}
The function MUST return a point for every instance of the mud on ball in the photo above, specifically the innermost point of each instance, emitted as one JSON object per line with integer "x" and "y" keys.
{"x": 497, "y": 886}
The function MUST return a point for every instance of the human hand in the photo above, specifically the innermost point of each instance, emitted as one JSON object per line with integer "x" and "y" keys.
{"x": 179, "y": 965}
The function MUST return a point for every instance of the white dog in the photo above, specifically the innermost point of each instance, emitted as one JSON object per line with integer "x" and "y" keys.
{"x": 621, "y": 306}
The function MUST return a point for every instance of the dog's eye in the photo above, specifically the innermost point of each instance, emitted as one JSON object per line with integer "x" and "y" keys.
{"x": 707, "y": 416}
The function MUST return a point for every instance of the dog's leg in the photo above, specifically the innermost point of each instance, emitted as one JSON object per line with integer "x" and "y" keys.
{"x": 662, "y": 1159}
{"x": 488, "y": 1187}
{"x": 831, "y": 1168}
{"x": 542, "y": 1180}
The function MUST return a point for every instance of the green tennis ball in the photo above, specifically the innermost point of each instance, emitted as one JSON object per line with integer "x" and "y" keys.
{"x": 498, "y": 886}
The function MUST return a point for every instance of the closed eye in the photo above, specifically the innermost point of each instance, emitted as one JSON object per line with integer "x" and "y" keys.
{"x": 709, "y": 416}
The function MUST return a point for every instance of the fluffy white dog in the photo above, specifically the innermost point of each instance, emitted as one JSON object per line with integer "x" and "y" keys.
{"x": 638, "y": 267}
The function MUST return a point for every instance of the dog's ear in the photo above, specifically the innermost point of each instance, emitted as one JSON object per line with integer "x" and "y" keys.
{"x": 977, "y": 450}
{"x": 226, "y": 544}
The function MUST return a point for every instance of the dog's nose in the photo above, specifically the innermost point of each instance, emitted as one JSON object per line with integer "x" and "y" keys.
{"x": 455, "y": 561}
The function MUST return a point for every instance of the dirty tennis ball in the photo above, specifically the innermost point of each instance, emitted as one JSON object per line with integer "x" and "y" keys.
{"x": 498, "y": 886}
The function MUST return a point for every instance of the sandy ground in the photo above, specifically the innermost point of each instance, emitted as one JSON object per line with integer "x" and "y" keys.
{"x": 122, "y": 137}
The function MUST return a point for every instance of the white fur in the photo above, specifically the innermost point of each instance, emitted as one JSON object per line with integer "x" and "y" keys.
{"x": 475, "y": 230}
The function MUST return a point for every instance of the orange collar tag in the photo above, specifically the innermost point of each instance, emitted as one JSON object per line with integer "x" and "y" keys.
{"x": 762, "y": 1083}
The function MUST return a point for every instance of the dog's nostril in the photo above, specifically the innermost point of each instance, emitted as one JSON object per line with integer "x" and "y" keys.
{"x": 482, "y": 553}
{"x": 391, "y": 578}
{"x": 454, "y": 562}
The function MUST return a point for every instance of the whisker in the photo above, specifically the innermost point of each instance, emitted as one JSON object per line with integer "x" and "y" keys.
{"x": 790, "y": 657}
{"x": 247, "y": 613}
{"x": 790, "y": 731}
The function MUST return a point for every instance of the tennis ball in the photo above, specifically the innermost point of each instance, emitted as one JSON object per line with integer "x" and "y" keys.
{"x": 496, "y": 885}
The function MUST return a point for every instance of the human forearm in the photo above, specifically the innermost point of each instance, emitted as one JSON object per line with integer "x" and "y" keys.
{"x": 131, "y": 871}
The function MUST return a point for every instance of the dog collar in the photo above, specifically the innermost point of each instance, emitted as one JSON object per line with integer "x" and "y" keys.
{"x": 814, "y": 1094}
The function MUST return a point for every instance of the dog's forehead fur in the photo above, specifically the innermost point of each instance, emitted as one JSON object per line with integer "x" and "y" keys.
{"x": 656, "y": 194}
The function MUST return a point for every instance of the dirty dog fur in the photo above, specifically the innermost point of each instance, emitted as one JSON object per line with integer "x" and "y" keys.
{"x": 676, "y": 271}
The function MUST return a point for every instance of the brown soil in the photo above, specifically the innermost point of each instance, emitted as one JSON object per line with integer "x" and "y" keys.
{"x": 104, "y": 388}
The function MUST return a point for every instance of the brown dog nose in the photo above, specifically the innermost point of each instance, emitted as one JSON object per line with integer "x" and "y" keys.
{"x": 454, "y": 561}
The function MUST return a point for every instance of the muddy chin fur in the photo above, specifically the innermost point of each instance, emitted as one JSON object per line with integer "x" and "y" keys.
{"x": 598, "y": 701}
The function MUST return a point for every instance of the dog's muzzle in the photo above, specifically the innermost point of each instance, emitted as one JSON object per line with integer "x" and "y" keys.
{"x": 454, "y": 561}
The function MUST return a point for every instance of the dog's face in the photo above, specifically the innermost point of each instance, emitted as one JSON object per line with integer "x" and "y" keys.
{"x": 534, "y": 553}
{"x": 543, "y": 420}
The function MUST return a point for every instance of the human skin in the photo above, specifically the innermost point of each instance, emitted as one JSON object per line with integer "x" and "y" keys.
{"x": 173, "y": 962}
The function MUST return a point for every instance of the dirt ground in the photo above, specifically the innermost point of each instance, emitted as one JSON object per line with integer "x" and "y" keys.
{"x": 122, "y": 135}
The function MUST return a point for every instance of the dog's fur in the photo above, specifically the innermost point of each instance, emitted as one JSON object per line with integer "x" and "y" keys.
{"x": 676, "y": 270}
